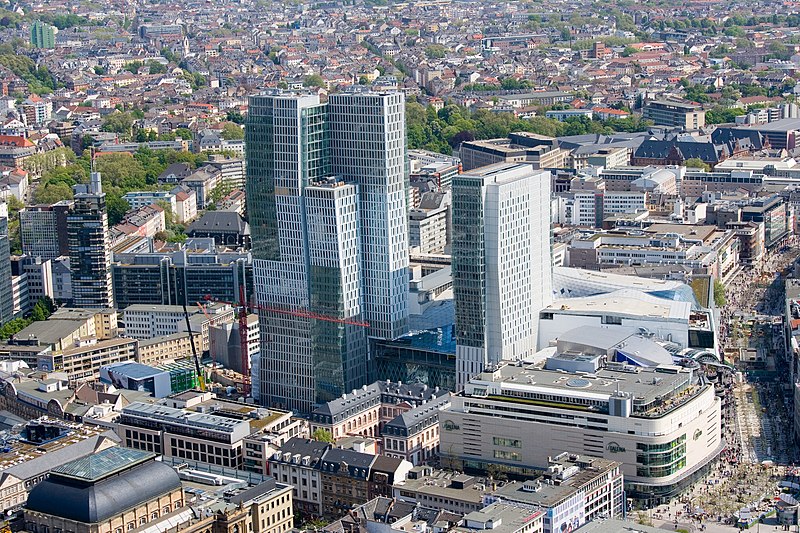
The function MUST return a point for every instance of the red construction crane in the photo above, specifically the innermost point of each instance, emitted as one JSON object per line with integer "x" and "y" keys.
{"x": 244, "y": 306}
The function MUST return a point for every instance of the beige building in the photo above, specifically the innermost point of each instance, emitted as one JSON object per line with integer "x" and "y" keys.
{"x": 167, "y": 348}
{"x": 83, "y": 361}
{"x": 662, "y": 422}
{"x": 113, "y": 491}
{"x": 69, "y": 325}
{"x": 538, "y": 150}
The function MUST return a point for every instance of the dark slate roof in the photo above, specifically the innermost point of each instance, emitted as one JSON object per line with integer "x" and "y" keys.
{"x": 305, "y": 447}
{"x": 180, "y": 170}
{"x": 655, "y": 149}
{"x": 218, "y": 222}
{"x": 254, "y": 492}
{"x": 387, "y": 465}
{"x": 93, "y": 501}
{"x": 357, "y": 463}
{"x": 420, "y": 414}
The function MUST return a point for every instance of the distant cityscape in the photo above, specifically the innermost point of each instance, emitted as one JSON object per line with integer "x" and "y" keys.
{"x": 371, "y": 267}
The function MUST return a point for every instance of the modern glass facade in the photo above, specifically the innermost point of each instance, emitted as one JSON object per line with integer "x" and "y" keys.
{"x": 368, "y": 147}
{"x": 6, "y": 296}
{"x": 330, "y": 253}
{"x": 89, "y": 251}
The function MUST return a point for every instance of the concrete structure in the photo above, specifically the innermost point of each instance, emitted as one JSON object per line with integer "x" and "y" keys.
{"x": 43, "y": 35}
{"x": 540, "y": 151}
{"x": 148, "y": 321}
{"x": 176, "y": 432}
{"x": 167, "y": 348}
{"x": 502, "y": 266}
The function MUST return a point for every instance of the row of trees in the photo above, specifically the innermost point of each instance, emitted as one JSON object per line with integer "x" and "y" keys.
{"x": 41, "y": 311}
{"x": 121, "y": 173}
{"x": 444, "y": 130}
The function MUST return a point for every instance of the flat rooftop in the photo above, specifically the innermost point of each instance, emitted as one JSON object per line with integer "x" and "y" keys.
{"x": 624, "y": 303}
{"x": 646, "y": 386}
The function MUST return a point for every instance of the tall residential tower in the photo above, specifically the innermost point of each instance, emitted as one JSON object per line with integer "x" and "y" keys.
{"x": 502, "y": 269}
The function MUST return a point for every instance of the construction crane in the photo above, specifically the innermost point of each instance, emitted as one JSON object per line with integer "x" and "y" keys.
{"x": 200, "y": 377}
{"x": 244, "y": 306}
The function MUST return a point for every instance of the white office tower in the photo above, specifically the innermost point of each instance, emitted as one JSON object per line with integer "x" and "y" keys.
{"x": 368, "y": 148}
{"x": 502, "y": 269}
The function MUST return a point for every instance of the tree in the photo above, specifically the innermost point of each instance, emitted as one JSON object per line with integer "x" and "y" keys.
{"x": 121, "y": 173}
{"x": 435, "y": 51}
{"x": 118, "y": 122}
{"x": 719, "y": 293}
{"x": 117, "y": 208}
{"x": 313, "y": 80}
{"x": 156, "y": 67}
{"x": 322, "y": 435}
{"x": 235, "y": 117}
{"x": 696, "y": 162}
{"x": 232, "y": 132}
{"x": 51, "y": 193}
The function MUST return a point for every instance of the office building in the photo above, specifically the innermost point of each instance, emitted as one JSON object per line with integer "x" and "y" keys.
{"x": 43, "y": 35}
{"x": 429, "y": 223}
{"x": 502, "y": 266}
{"x": 521, "y": 147}
{"x": 173, "y": 432}
{"x": 661, "y": 421}
{"x": 309, "y": 231}
{"x": 148, "y": 321}
{"x": 6, "y": 289}
{"x": 368, "y": 148}
{"x": 673, "y": 113}
{"x": 43, "y": 230}
{"x": 89, "y": 250}
{"x": 186, "y": 275}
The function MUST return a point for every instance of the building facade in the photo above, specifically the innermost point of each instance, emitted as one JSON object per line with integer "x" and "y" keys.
{"x": 502, "y": 266}
{"x": 89, "y": 250}
{"x": 309, "y": 233}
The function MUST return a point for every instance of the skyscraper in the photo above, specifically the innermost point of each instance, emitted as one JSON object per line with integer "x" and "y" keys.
{"x": 306, "y": 256}
{"x": 43, "y": 35}
{"x": 89, "y": 251}
{"x": 6, "y": 292}
{"x": 502, "y": 269}
{"x": 368, "y": 147}
{"x": 43, "y": 229}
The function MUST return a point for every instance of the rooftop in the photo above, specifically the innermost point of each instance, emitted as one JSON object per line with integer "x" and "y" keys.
{"x": 103, "y": 464}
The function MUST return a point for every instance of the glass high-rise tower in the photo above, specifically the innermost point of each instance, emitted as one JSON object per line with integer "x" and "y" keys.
{"x": 6, "y": 296}
{"x": 89, "y": 250}
{"x": 326, "y": 190}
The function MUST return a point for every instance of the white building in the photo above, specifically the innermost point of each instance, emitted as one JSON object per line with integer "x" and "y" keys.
{"x": 143, "y": 321}
{"x": 502, "y": 265}
{"x": 661, "y": 422}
